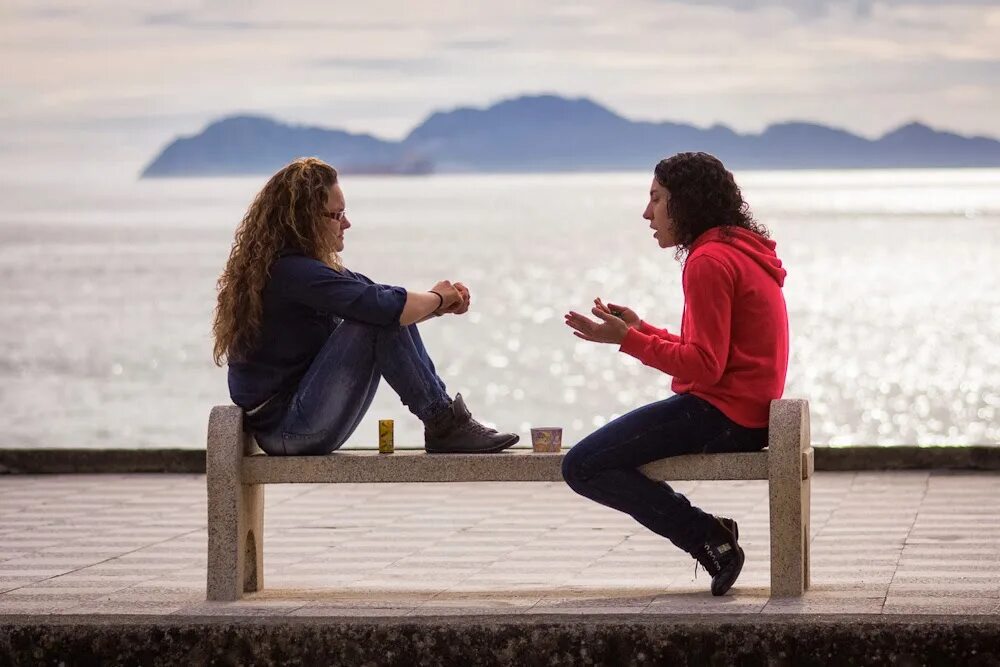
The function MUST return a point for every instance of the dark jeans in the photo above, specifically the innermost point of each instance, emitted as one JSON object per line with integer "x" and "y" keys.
{"x": 336, "y": 391}
{"x": 604, "y": 465}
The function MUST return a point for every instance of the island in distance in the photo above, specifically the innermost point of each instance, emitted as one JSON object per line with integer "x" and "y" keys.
{"x": 548, "y": 133}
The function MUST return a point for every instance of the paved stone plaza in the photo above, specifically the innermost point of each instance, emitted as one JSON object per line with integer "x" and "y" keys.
{"x": 883, "y": 543}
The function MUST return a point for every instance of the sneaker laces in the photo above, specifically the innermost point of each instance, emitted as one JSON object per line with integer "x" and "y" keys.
{"x": 712, "y": 558}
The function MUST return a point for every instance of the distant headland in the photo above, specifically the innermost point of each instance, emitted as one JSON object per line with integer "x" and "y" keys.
{"x": 547, "y": 133}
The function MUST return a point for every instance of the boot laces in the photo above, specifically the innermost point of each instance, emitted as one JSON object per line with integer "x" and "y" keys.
{"x": 478, "y": 428}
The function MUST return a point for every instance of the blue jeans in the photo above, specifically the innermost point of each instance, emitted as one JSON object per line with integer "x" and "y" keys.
{"x": 604, "y": 465}
{"x": 340, "y": 384}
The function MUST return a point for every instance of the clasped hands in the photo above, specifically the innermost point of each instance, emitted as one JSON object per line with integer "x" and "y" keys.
{"x": 455, "y": 298}
{"x": 615, "y": 321}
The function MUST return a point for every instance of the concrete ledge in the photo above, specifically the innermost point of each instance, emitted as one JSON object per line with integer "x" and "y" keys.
{"x": 89, "y": 461}
{"x": 502, "y": 640}
{"x": 869, "y": 457}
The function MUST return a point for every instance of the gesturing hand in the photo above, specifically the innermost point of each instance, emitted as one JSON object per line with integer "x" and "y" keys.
{"x": 610, "y": 329}
{"x": 626, "y": 314}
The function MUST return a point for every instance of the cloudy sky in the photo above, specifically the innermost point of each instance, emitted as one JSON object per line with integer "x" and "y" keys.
{"x": 125, "y": 77}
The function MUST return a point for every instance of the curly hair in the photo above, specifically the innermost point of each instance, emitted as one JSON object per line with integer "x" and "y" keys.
{"x": 287, "y": 214}
{"x": 703, "y": 195}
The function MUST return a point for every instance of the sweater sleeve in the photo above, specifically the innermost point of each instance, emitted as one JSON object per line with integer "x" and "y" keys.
{"x": 343, "y": 294}
{"x": 649, "y": 329}
{"x": 701, "y": 353}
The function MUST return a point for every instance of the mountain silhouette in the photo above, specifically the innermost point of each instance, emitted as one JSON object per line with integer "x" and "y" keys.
{"x": 241, "y": 145}
{"x": 548, "y": 133}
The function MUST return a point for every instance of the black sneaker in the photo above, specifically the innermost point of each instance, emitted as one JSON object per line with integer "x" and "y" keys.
{"x": 454, "y": 431}
{"x": 722, "y": 556}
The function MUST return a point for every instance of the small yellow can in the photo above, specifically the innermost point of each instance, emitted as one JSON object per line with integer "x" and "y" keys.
{"x": 386, "y": 443}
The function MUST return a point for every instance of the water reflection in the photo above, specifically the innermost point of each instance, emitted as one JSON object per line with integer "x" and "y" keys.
{"x": 891, "y": 293}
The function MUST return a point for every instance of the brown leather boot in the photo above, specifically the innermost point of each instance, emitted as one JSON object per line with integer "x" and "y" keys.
{"x": 454, "y": 431}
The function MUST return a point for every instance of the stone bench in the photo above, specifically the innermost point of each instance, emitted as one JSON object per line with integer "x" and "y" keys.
{"x": 238, "y": 470}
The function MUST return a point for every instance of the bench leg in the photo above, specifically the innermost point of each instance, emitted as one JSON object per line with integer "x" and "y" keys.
{"x": 235, "y": 512}
{"x": 806, "y": 530}
{"x": 789, "y": 538}
{"x": 790, "y": 498}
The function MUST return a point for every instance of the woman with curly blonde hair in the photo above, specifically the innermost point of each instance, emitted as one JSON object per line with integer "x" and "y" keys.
{"x": 307, "y": 340}
{"x": 728, "y": 361}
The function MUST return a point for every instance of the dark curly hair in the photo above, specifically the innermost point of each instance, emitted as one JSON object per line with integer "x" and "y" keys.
{"x": 703, "y": 195}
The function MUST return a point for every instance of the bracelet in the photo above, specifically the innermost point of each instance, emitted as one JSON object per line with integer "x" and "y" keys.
{"x": 440, "y": 300}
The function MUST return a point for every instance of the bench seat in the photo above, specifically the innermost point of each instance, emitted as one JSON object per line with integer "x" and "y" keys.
{"x": 510, "y": 466}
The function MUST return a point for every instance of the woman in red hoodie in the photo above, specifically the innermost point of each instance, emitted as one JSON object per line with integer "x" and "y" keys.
{"x": 728, "y": 362}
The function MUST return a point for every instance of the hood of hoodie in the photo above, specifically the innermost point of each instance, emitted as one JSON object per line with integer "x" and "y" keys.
{"x": 754, "y": 246}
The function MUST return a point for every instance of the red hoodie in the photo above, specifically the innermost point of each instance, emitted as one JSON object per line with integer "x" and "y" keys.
{"x": 733, "y": 346}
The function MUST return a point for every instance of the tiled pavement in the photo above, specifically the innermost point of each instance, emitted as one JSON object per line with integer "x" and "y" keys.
{"x": 883, "y": 543}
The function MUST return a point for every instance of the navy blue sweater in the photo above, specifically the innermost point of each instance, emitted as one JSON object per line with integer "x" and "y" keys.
{"x": 304, "y": 301}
